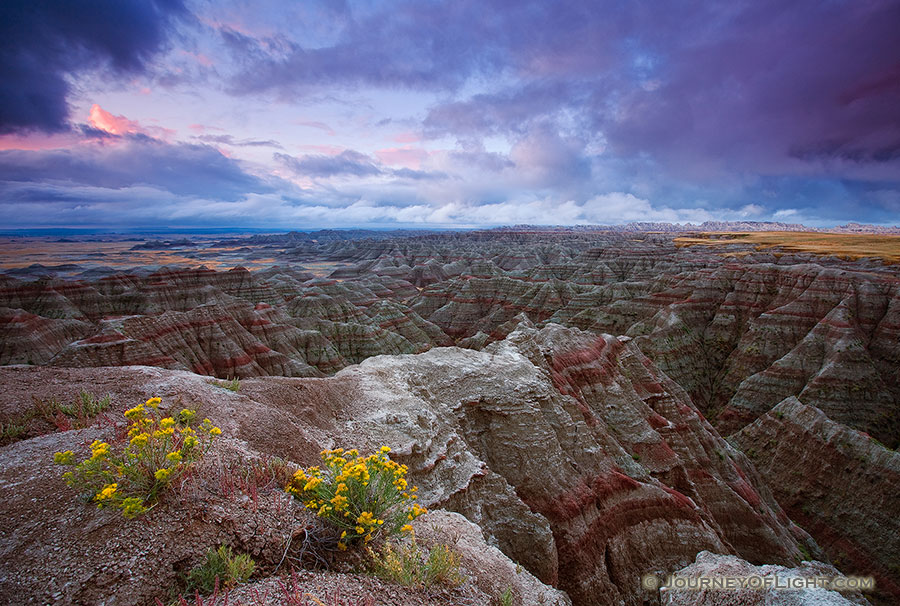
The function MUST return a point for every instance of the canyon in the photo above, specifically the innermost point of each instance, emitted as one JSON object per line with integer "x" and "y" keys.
{"x": 601, "y": 404}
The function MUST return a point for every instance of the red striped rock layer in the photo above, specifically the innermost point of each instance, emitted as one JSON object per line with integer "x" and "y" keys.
{"x": 739, "y": 334}
{"x": 31, "y": 339}
{"x": 741, "y": 338}
{"x": 465, "y": 306}
{"x": 839, "y": 484}
{"x": 226, "y": 324}
{"x": 535, "y": 256}
{"x": 596, "y": 443}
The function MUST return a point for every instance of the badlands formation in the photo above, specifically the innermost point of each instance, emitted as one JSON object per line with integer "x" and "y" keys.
{"x": 595, "y": 406}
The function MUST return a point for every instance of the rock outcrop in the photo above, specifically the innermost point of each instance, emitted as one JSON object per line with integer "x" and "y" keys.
{"x": 839, "y": 484}
{"x": 712, "y": 566}
{"x": 575, "y": 455}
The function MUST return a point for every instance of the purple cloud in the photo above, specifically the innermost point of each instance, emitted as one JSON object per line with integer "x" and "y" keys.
{"x": 180, "y": 169}
{"x": 41, "y": 43}
{"x": 770, "y": 82}
{"x": 348, "y": 162}
{"x": 351, "y": 163}
{"x": 230, "y": 140}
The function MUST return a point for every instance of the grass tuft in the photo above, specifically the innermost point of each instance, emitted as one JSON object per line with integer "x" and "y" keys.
{"x": 49, "y": 415}
{"x": 231, "y": 385}
{"x": 221, "y": 568}
{"x": 411, "y": 566}
{"x": 506, "y": 598}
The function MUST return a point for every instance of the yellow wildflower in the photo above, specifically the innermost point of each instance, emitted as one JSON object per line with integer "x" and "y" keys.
{"x": 136, "y": 413}
{"x": 99, "y": 449}
{"x": 366, "y": 519}
{"x": 162, "y": 474}
{"x": 63, "y": 458}
{"x": 107, "y": 492}
{"x": 132, "y": 506}
{"x": 166, "y": 423}
{"x": 140, "y": 440}
{"x": 175, "y": 457}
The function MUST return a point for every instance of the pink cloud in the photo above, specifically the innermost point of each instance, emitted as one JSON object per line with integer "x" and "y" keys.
{"x": 407, "y": 138}
{"x": 410, "y": 157}
{"x": 120, "y": 125}
{"x": 115, "y": 125}
{"x": 38, "y": 141}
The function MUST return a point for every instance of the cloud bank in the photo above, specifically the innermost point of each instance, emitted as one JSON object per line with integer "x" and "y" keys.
{"x": 324, "y": 113}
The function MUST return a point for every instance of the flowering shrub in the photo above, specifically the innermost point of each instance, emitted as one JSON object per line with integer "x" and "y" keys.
{"x": 363, "y": 497}
{"x": 159, "y": 451}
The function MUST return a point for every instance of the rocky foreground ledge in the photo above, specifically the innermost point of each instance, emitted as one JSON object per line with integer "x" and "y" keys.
{"x": 573, "y": 454}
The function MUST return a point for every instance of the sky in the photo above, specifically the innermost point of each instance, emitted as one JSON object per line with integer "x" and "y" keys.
{"x": 465, "y": 113}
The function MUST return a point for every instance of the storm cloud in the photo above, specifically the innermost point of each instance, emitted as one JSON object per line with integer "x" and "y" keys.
{"x": 41, "y": 43}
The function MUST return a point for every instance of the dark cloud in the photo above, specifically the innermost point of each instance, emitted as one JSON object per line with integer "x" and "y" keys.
{"x": 506, "y": 112}
{"x": 42, "y": 42}
{"x": 180, "y": 169}
{"x": 90, "y": 132}
{"x": 706, "y": 89}
{"x": 764, "y": 81}
{"x": 437, "y": 45}
{"x": 411, "y": 44}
